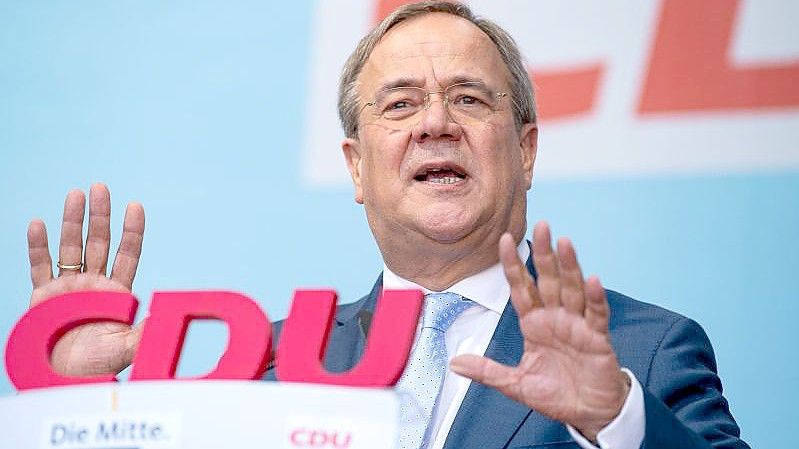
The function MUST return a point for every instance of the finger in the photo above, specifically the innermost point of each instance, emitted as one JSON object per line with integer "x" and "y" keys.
{"x": 572, "y": 294}
{"x": 98, "y": 236}
{"x": 70, "y": 250}
{"x": 39, "y": 254}
{"x": 485, "y": 371}
{"x": 546, "y": 265}
{"x": 597, "y": 311}
{"x": 127, "y": 258}
{"x": 523, "y": 294}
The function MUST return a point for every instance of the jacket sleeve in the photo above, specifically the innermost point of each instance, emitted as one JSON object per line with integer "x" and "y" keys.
{"x": 683, "y": 398}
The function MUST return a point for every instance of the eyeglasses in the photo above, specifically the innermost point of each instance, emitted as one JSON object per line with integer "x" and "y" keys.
{"x": 401, "y": 107}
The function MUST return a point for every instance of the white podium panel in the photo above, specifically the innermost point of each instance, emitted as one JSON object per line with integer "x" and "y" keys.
{"x": 200, "y": 414}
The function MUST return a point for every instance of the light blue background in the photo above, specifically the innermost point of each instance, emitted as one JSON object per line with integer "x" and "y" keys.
{"x": 195, "y": 110}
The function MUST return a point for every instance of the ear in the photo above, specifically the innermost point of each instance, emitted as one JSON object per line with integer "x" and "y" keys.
{"x": 528, "y": 144}
{"x": 352, "y": 153}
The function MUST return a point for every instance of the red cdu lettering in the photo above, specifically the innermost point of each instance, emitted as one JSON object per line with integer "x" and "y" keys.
{"x": 319, "y": 438}
{"x": 302, "y": 345}
{"x": 32, "y": 340}
{"x": 306, "y": 330}
{"x": 249, "y": 343}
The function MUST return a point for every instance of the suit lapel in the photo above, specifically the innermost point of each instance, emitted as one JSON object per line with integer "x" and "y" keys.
{"x": 348, "y": 337}
{"x": 487, "y": 418}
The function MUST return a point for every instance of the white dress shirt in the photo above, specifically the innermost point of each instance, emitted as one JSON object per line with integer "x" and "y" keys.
{"x": 471, "y": 333}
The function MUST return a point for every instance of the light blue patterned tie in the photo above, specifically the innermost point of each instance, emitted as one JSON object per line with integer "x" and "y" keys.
{"x": 420, "y": 384}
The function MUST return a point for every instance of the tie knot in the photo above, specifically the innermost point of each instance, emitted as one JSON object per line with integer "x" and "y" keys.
{"x": 441, "y": 309}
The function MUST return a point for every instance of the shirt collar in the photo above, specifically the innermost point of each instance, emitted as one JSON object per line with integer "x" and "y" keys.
{"x": 489, "y": 288}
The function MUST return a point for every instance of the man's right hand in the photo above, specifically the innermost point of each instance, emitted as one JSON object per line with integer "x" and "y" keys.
{"x": 97, "y": 348}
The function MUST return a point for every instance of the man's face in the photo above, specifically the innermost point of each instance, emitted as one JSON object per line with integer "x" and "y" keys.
{"x": 439, "y": 177}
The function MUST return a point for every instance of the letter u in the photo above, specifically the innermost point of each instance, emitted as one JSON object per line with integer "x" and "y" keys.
{"x": 303, "y": 341}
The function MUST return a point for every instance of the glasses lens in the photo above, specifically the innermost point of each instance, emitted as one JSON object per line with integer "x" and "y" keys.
{"x": 471, "y": 100}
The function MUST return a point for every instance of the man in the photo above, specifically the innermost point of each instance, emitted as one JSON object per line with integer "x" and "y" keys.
{"x": 441, "y": 140}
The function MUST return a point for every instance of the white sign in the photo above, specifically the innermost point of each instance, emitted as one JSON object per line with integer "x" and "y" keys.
{"x": 207, "y": 414}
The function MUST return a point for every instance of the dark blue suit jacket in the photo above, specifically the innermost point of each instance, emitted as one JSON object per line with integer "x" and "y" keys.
{"x": 670, "y": 355}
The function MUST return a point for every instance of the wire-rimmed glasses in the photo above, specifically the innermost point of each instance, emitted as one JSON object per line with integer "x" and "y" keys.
{"x": 401, "y": 107}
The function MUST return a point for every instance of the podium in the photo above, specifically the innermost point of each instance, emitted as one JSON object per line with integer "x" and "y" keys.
{"x": 200, "y": 414}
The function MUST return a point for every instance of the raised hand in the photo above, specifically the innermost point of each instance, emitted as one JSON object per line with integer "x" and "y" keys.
{"x": 98, "y": 348}
{"x": 568, "y": 371}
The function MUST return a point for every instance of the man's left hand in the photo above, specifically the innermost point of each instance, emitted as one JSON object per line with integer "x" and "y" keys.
{"x": 568, "y": 371}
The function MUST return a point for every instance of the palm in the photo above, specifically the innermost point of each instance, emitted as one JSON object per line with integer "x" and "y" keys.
{"x": 97, "y": 348}
{"x": 568, "y": 370}
{"x": 565, "y": 365}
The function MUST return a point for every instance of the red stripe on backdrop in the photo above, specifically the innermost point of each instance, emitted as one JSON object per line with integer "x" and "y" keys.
{"x": 563, "y": 94}
{"x": 690, "y": 68}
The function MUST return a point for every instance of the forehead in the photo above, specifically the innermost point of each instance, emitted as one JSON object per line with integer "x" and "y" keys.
{"x": 432, "y": 50}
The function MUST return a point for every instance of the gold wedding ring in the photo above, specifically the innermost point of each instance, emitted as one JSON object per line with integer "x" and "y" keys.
{"x": 77, "y": 267}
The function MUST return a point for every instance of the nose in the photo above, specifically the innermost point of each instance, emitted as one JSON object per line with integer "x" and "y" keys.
{"x": 436, "y": 121}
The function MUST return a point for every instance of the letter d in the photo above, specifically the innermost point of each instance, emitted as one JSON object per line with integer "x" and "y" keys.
{"x": 249, "y": 345}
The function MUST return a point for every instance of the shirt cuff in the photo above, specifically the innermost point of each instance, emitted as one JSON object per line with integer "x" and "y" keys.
{"x": 626, "y": 431}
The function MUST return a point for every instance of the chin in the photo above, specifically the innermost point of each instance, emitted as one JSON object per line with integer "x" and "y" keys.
{"x": 446, "y": 224}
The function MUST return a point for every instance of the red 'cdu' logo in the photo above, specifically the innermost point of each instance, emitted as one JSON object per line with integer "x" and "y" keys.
{"x": 300, "y": 353}
{"x": 320, "y": 438}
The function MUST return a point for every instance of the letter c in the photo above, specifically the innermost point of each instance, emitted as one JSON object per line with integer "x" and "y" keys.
{"x": 35, "y": 335}
{"x": 295, "y": 436}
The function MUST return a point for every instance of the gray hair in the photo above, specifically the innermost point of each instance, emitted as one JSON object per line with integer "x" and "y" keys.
{"x": 521, "y": 89}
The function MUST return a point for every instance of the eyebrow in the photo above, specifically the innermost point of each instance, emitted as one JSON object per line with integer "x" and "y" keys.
{"x": 400, "y": 82}
{"x": 416, "y": 82}
{"x": 478, "y": 83}
{"x": 458, "y": 79}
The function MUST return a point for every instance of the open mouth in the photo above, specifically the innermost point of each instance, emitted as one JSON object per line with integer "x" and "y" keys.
{"x": 441, "y": 174}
